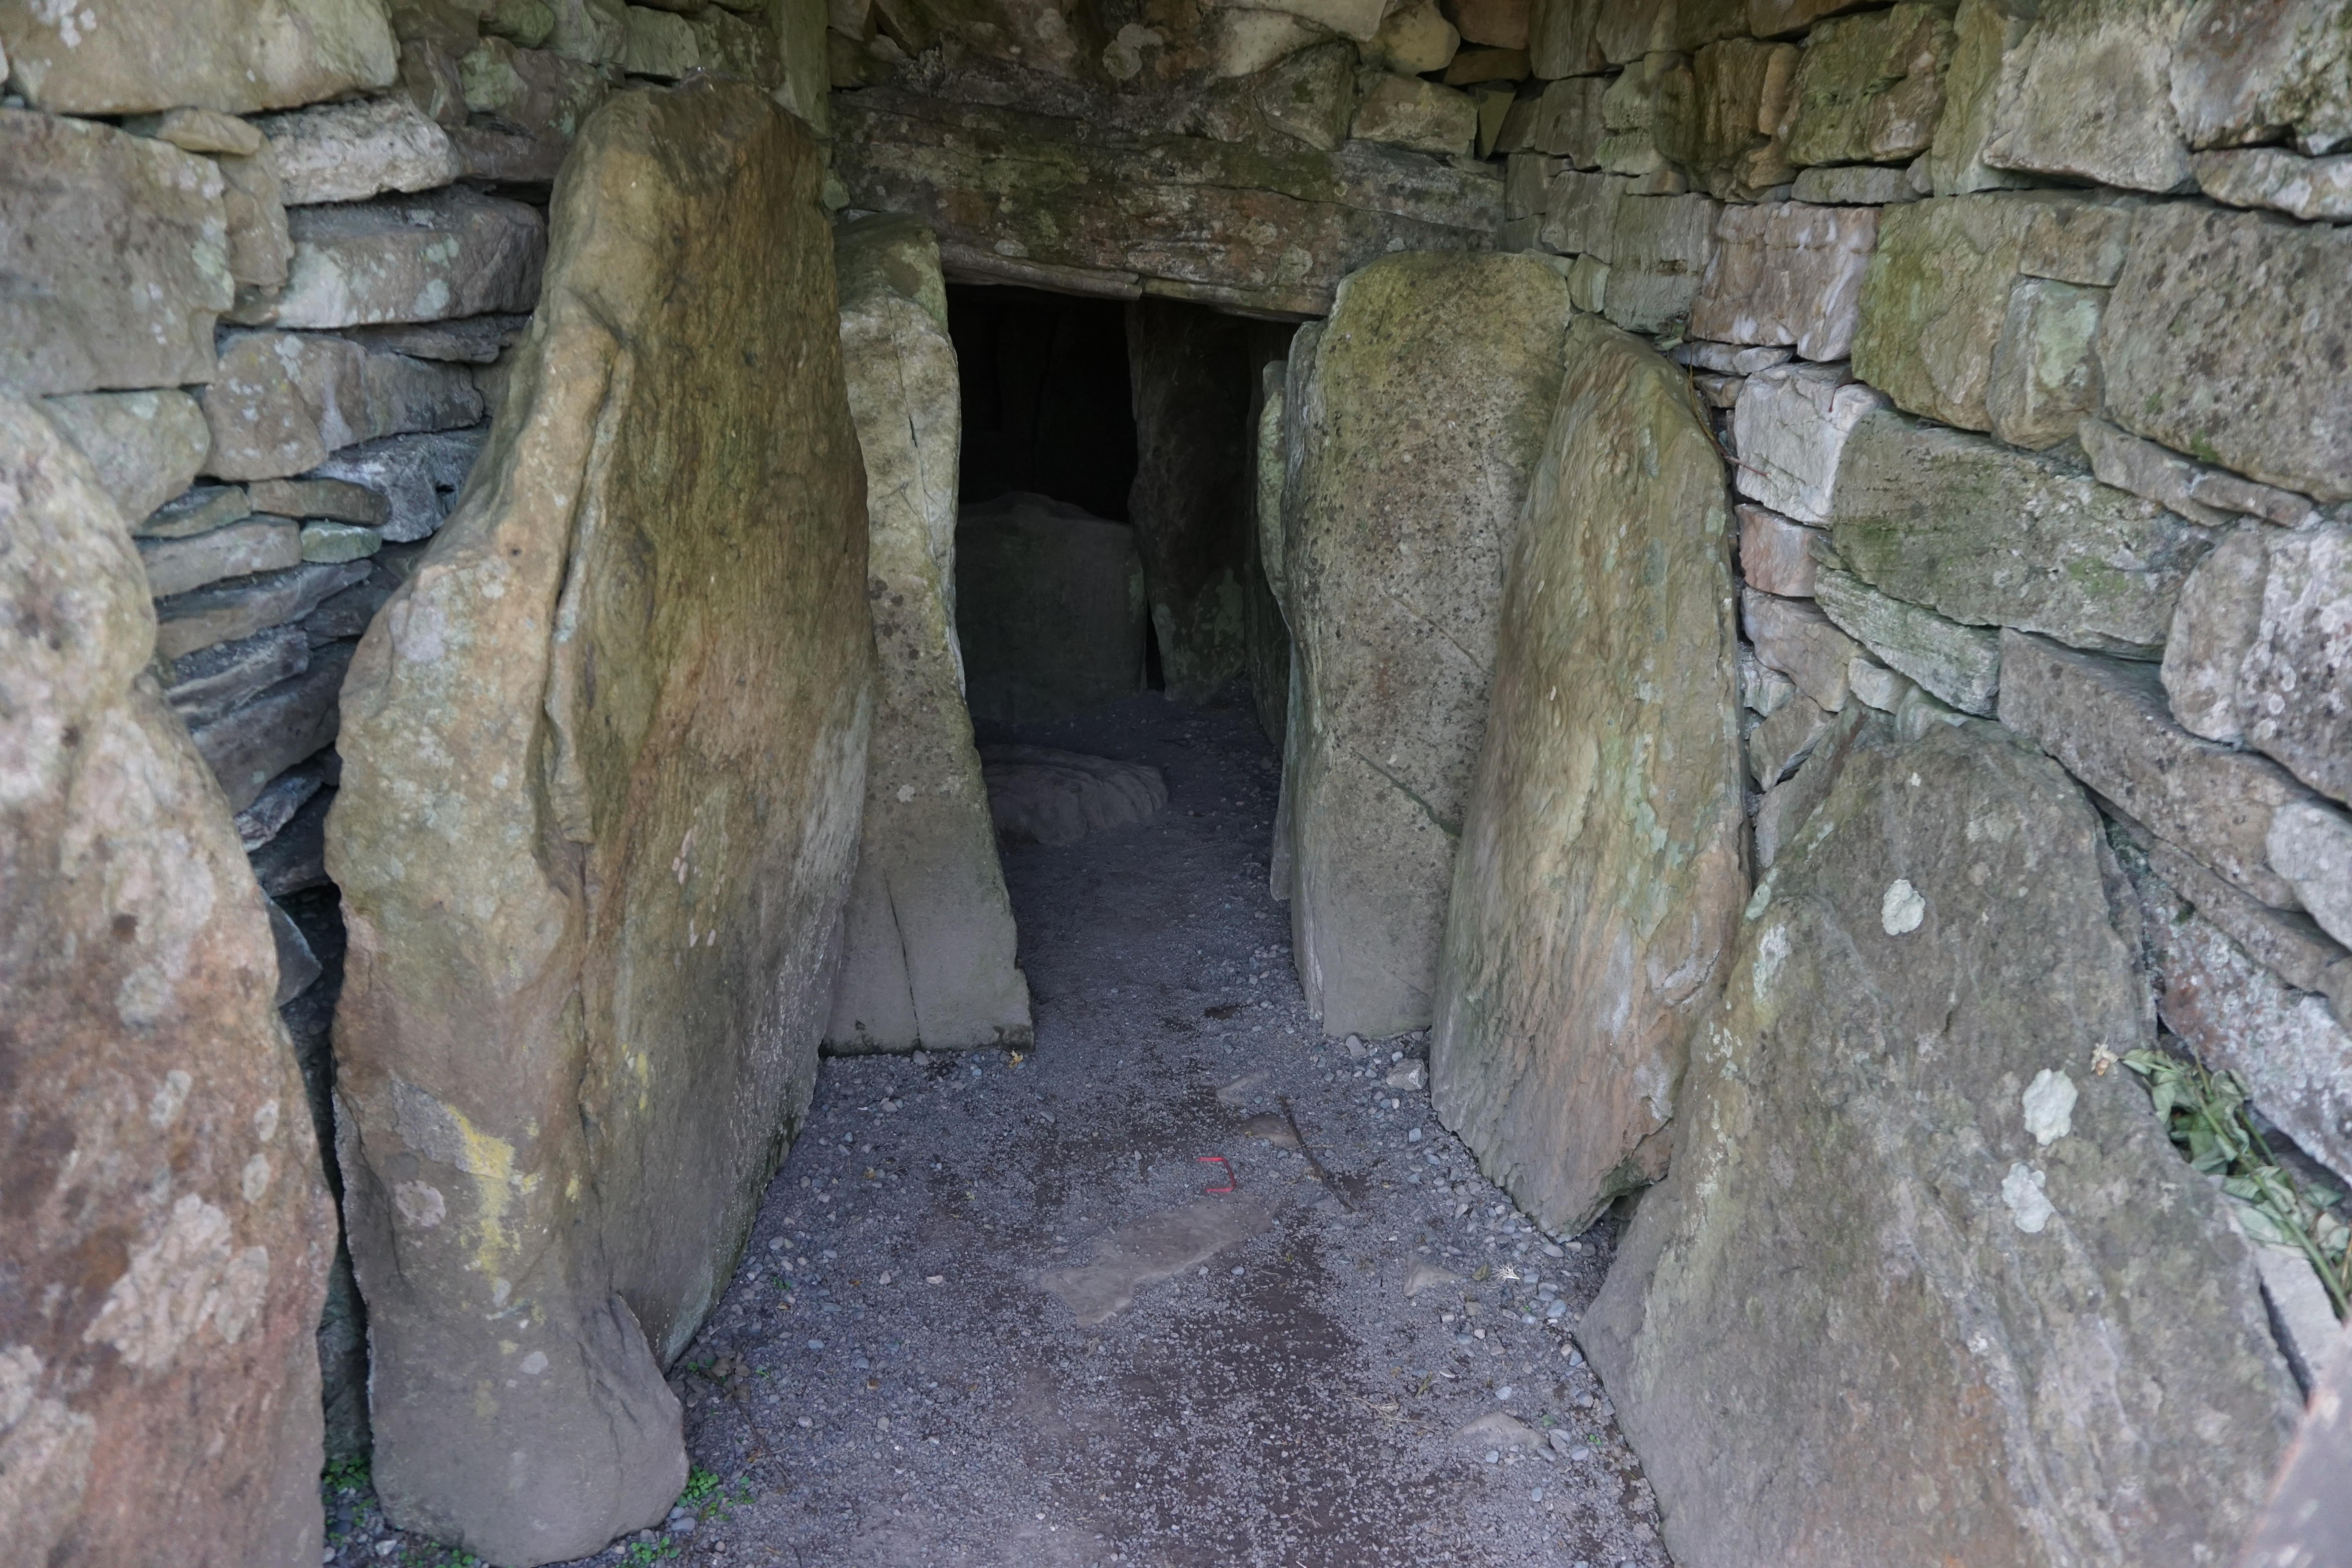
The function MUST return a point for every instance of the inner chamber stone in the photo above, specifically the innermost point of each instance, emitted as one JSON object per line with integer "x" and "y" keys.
{"x": 603, "y": 755}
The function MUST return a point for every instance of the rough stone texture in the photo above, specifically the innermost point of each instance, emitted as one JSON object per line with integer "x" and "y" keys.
{"x": 417, "y": 475}
{"x": 290, "y": 721}
{"x": 1413, "y": 38}
{"x": 1719, "y": 116}
{"x": 928, "y": 938}
{"x": 1935, "y": 298}
{"x": 1039, "y": 795}
{"x": 2310, "y": 188}
{"x": 1419, "y": 415}
{"x": 282, "y": 402}
{"x": 1418, "y": 116}
{"x": 2243, "y": 73}
{"x": 1961, "y": 665}
{"x": 350, "y": 151}
{"x": 1567, "y": 120}
{"x": 1776, "y": 555}
{"x": 1661, "y": 253}
{"x": 1190, "y": 379}
{"x": 208, "y": 683}
{"x": 2088, "y": 94}
{"x": 259, "y": 250}
{"x": 1790, "y": 426}
{"x": 2044, "y": 376}
{"x": 1050, "y": 609}
{"x": 2288, "y": 942}
{"x": 2311, "y": 846}
{"x": 538, "y": 1229}
{"x": 425, "y": 259}
{"x": 2225, "y": 339}
{"x": 114, "y": 249}
{"x": 1871, "y": 88}
{"x": 2080, "y": 242}
{"x": 1600, "y": 876}
{"x": 2262, "y": 650}
{"x": 1135, "y": 213}
{"x": 1991, "y": 536}
{"x": 145, "y": 447}
{"x": 189, "y": 622}
{"x": 158, "y": 1384}
{"x": 1796, "y": 638}
{"x": 239, "y": 550}
{"x": 2104, "y": 718}
{"x": 2048, "y": 1366}
{"x": 1581, "y": 214}
{"x": 405, "y": 395}
{"x": 1850, "y": 184}
{"x": 1787, "y": 273}
{"x": 2216, "y": 625}
{"x": 233, "y": 56}
{"x": 1985, "y": 34}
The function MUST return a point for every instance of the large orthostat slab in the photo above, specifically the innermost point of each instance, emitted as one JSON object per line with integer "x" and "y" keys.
{"x": 1417, "y": 423}
{"x": 603, "y": 756}
{"x": 1925, "y": 1283}
{"x": 928, "y": 959}
{"x": 1599, "y": 880}
{"x": 166, "y": 1239}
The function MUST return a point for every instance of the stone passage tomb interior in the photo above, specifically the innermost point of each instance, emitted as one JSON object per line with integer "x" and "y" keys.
{"x": 1306, "y": 783}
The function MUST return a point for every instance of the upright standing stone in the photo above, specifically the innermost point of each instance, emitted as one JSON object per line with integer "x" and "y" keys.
{"x": 602, "y": 756}
{"x": 168, "y": 1231}
{"x": 1420, "y": 419}
{"x": 1928, "y": 1282}
{"x": 929, "y": 957}
{"x": 1600, "y": 877}
{"x": 1189, "y": 501}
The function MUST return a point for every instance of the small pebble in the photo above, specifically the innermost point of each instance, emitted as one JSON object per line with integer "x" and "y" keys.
{"x": 1493, "y": 1456}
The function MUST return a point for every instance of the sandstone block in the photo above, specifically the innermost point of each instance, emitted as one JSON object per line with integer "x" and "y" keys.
{"x": 1503, "y": 23}
{"x": 929, "y": 937}
{"x": 1904, "y": 1087}
{"x": 1527, "y": 184}
{"x": 187, "y": 623}
{"x": 425, "y": 258}
{"x": 1717, "y": 114}
{"x": 1599, "y": 878}
{"x": 1787, "y": 273}
{"x": 240, "y": 550}
{"x": 224, "y": 55}
{"x": 1567, "y": 120}
{"x": 2243, "y": 74}
{"x": 417, "y": 475}
{"x": 282, "y": 402}
{"x": 210, "y": 682}
{"x": 1472, "y": 67}
{"x": 1560, "y": 38}
{"x": 1051, "y": 611}
{"x": 2311, "y": 846}
{"x": 2080, "y": 242}
{"x": 2045, "y": 378}
{"x": 2104, "y": 718}
{"x": 1397, "y": 530}
{"x": 162, "y": 1384}
{"x": 1961, "y": 665}
{"x": 1587, "y": 285}
{"x": 1992, "y": 536}
{"x": 1663, "y": 247}
{"x": 1776, "y": 555}
{"x": 1581, "y": 214}
{"x": 200, "y": 510}
{"x": 2223, "y": 340}
{"x": 295, "y": 719}
{"x": 199, "y": 130}
{"x": 2088, "y": 94}
{"x": 2294, "y": 683}
{"x": 678, "y": 1014}
{"x": 405, "y": 395}
{"x": 1855, "y": 184}
{"x": 350, "y": 151}
{"x": 1935, "y": 298}
{"x": 535, "y": 98}
{"x": 1311, "y": 95}
{"x": 1985, "y": 34}
{"x": 1790, "y": 428}
{"x": 2214, "y": 628}
{"x": 2147, "y": 470}
{"x": 2289, "y": 942}
{"x": 253, "y": 203}
{"x": 339, "y": 541}
{"x": 116, "y": 247}
{"x": 1790, "y": 804}
{"x": 145, "y": 447}
{"x": 331, "y": 500}
{"x": 1420, "y": 116}
{"x": 1793, "y": 636}
{"x": 1870, "y": 88}
{"x": 1413, "y": 39}
{"x": 1779, "y": 744}
{"x": 473, "y": 339}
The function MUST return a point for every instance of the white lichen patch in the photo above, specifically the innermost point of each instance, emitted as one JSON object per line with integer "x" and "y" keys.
{"x": 188, "y": 1276}
{"x": 2049, "y": 1102}
{"x": 1902, "y": 910}
{"x": 2029, "y": 1205}
{"x": 44, "y": 1457}
{"x": 420, "y": 1203}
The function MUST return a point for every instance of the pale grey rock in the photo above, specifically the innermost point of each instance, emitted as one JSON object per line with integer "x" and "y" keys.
{"x": 1875, "y": 686}
{"x": 1417, "y": 115}
{"x": 1660, "y": 256}
{"x": 2106, "y": 720}
{"x": 282, "y": 402}
{"x": 339, "y": 541}
{"x": 421, "y": 259}
{"x": 211, "y": 682}
{"x": 1527, "y": 184}
{"x": 1870, "y": 1114}
{"x": 2288, "y": 942}
{"x": 2242, "y": 74}
{"x": 2080, "y": 242}
{"x": 226, "y": 614}
{"x": 1413, "y": 39}
{"x": 1587, "y": 285}
{"x": 2294, "y": 686}
{"x": 1567, "y": 120}
{"x": 1960, "y": 665}
{"x": 1779, "y": 745}
{"x": 2309, "y": 188}
{"x": 226, "y": 55}
{"x": 405, "y": 395}
{"x": 240, "y": 550}
{"x": 1793, "y": 636}
{"x": 2045, "y": 378}
{"x": 331, "y": 500}
{"x": 472, "y": 340}
{"x": 1790, "y": 428}
{"x": 1986, "y": 33}
{"x": 1991, "y": 536}
{"x": 350, "y": 151}
{"x": 2311, "y": 846}
{"x": 259, "y": 249}
{"x": 2088, "y": 94}
{"x": 1776, "y": 554}
{"x": 2302, "y": 1314}
{"x": 417, "y": 475}
{"x": 298, "y": 967}
{"x": 1854, "y": 184}
{"x": 1040, "y": 795}
{"x": 199, "y": 130}
{"x": 252, "y": 744}
{"x": 1871, "y": 88}
{"x": 2226, "y": 338}
{"x": 278, "y": 801}
{"x": 1762, "y": 691}
{"x": 2146, "y": 470}
{"x": 145, "y": 446}
{"x": 1789, "y": 806}
{"x": 295, "y": 858}
{"x": 2214, "y": 627}
{"x": 1784, "y": 272}
{"x": 1728, "y": 359}
{"x": 200, "y": 510}
{"x": 116, "y": 247}
{"x": 1581, "y": 214}
{"x": 2219, "y": 489}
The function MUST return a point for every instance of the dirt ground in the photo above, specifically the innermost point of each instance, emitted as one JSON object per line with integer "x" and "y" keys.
{"x": 993, "y": 1314}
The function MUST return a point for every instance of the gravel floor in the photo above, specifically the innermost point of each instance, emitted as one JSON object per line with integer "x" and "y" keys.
{"x": 896, "y": 1376}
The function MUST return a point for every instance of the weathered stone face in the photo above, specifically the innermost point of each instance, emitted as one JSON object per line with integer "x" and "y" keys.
{"x": 1050, "y": 609}
{"x": 424, "y": 258}
{"x": 2240, "y": 73}
{"x": 169, "y": 1230}
{"x": 632, "y": 678}
{"x": 2226, "y": 338}
{"x": 145, "y": 446}
{"x": 120, "y": 57}
{"x": 1419, "y": 420}
{"x": 1870, "y": 88}
{"x": 1599, "y": 875}
{"x": 2087, "y": 93}
{"x": 1902, "y": 1089}
{"x": 928, "y": 933}
{"x": 1787, "y": 273}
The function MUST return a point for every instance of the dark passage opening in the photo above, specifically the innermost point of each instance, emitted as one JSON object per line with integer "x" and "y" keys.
{"x": 1046, "y": 404}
